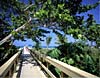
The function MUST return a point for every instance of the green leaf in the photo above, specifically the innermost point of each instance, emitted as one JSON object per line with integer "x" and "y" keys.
{"x": 70, "y": 61}
{"x": 78, "y": 58}
{"x": 14, "y": 33}
{"x": 55, "y": 53}
{"x": 64, "y": 59}
{"x": 60, "y": 6}
{"x": 58, "y": 71}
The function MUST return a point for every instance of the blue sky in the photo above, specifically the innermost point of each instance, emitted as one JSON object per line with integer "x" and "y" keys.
{"x": 95, "y": 12}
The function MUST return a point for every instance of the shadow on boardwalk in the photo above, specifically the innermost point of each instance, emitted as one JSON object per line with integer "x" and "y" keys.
{"x": 25, "y": 59}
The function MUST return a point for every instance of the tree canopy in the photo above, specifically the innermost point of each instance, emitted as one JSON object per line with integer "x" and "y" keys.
{"x": 60, "y": 15}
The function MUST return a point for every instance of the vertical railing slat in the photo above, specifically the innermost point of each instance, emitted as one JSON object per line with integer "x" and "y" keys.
{"x": 9, "y": 66}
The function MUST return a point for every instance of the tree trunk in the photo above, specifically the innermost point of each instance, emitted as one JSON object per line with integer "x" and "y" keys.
{"x": 10, "y": 35}
{"x": 18, "y": 29}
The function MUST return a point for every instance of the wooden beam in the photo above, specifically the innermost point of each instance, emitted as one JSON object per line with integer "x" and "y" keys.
{"x": 6, "y": 67}
{"x": 67, "y": 69}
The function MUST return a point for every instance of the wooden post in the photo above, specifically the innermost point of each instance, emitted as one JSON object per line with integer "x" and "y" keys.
{"x": 43, "y": 58}
{"x": 16, "y": 60}
{"x": 39, "y": 58}
{"x": 15, "y": 63}
{"x": 47, "y": 64}
{"x": 10, "y": 73}
{"x": 61, "y": 75}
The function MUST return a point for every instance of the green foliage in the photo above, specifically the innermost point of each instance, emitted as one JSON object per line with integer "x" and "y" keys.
{"x": 18, "y": 21}
{"x": 54, "y": 53}
{"x": 6, "y": 51}
{"x": 78, "y": 58}
{"x": 37, "y": 45}
{"x": 7, "y": 8}
{"x": 95, "y": 36}
{"x": 62, "y": 15}
{"x": 63, "y": 59}
{"x": 65, "y": 15}
{"x": 61, "y": 39}
{"x": 88, "y": 7}
{"x": 14, "y": 33}
{"x": 77, "y": 54}
{"x": 70, "y": 61}
{"x": 81, "y": 56}
{"x": 58, "y": 71}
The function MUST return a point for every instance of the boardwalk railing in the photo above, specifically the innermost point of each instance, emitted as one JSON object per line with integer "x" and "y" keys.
{"x": 7, "y": 69}
{"x": 63, "y": 67}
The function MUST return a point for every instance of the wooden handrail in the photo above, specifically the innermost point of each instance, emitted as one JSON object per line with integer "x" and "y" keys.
{"x": 65, "y": 68}
{"x": 45, "y": 68}
{"x": 6, "y": 67}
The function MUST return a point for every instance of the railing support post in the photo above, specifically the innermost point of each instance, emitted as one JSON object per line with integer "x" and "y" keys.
{"x": 47, "y": 65}
{"x": 17, "y": 60}
{"x": 39, "y": 58}
{"x": 61, "y": 75}
{"x": 15, "y": 63}
{"x": 10, "y": 73}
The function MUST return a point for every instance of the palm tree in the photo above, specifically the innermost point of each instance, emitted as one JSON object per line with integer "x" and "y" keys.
{"x": 48, "y": 40}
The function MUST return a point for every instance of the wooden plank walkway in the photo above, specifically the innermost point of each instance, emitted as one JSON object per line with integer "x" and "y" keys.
{"x": 30, "y": 68}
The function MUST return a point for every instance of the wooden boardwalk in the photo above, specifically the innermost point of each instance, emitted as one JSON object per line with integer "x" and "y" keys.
{"x": 29, "y": 67}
